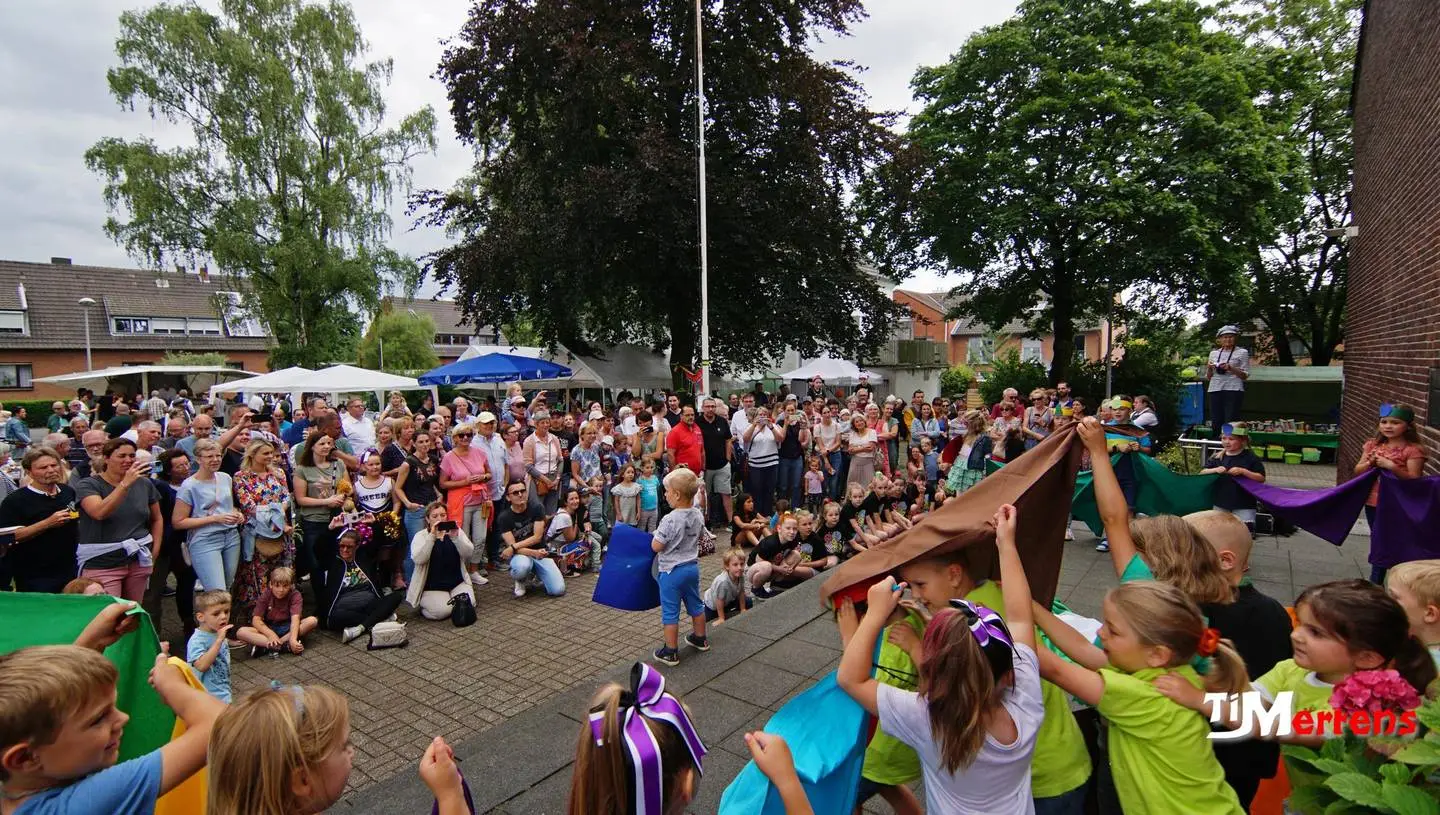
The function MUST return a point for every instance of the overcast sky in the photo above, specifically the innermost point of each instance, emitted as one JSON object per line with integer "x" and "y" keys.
{"x": 55, "y": 103}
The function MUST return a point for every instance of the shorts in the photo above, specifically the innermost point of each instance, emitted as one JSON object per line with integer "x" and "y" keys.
{"x": 280, "y": 629}
{"x": 680, "y": 583}
{"x": 718, "y": 481}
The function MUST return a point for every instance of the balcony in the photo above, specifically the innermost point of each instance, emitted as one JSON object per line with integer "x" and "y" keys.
{"x": 912, "y": 354}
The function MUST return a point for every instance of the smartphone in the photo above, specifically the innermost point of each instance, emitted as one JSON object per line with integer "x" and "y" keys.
{"x": 262, "y": 418}
{"x": 447, "y": 526}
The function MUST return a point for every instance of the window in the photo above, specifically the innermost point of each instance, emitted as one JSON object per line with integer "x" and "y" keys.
{"x": 12, "y": 322}
{"x": 238, "y": 321}
{"x": 1032, "y": 351}
{"x": 131, "y": 325}
{"x": 980, "y": 349}
{"x": 14, "y": 375}
{"x": 452, "y": 339}
{"x": 905, "y": 329}
{"x": 168, "y": 325}
{"x": 204, "y": 326}
{"x": 1080, "y": 352}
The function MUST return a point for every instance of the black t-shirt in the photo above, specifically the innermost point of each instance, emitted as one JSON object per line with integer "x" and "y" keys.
{"x": 1230, "y": 495}
{"x": 791, "y": 448}
{"x": 770, "y": 549}
{"x": 445, "y": 571}
{"x": 716, "y": 436}
{"x": 1259, "y": 626}
{"x": 392, "y": 457}
{"x": 835, "y": 542}
{"x": 117, "y": 425}
{"x": 673, "y": 417}
{"x": 421, "y": 484}
{"x": 738, "y": 519}
{"x": 52, "y": 552}
{"x": 848, "y": 511}
{"x": 812, "y": 547}
{"x": 521, "y": 525}
{"x": 230, "y": 462}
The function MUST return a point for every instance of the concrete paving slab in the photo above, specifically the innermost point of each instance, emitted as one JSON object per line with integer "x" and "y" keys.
{"x": 757, "y": 683}
{"x": 717, "y": 715}
{"x": 798, "y": 657}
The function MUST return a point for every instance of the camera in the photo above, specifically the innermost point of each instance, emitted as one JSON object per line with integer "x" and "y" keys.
{"x": 446, "y": 526}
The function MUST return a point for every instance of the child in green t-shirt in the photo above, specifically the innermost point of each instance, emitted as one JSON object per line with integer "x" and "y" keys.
{"x": 890, "y": 764}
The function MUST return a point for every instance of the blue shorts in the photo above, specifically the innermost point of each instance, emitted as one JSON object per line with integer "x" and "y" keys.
{"x": 680, "y": 583}
{"x": 280, "y": 629}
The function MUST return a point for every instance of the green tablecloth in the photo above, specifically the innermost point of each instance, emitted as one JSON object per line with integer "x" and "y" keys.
{"x": 1329, "y": 441}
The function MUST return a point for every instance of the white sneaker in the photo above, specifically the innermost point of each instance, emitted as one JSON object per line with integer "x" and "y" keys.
{"x": 352, "y": 633}
{"x": 392, "y": 618}
{"x": 1069, "y": 534}
{"x": 479, "y": 579}
{"x": 519, "y": 588}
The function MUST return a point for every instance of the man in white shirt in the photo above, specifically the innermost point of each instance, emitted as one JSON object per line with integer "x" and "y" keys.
{"x": 627, "y": 420}
{"x": 356, "y": 426}
{"x": 740, "y": 419}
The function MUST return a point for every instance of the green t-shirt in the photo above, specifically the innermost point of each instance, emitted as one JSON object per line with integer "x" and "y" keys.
{"x": 1310, "y": 694}
{"x": 889, "y": 760}
{"x": 1160, "y": 751}
{"x": 1061, "y": 762}
{"x": 1136, "y": 569}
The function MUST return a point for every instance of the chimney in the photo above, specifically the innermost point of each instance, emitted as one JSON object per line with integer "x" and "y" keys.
{"x": 20, "y": 293}
{"x": 58, "y": 261}
{"x": 204, "y": 273}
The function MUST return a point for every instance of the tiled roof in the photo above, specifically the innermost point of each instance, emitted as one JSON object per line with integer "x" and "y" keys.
{"x": 57, "y": 320}
{"x": 445, "y": 313}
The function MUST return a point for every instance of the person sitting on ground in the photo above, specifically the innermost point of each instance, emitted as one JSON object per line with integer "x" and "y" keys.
{"x": 83, "y": 586}
{"x": 277, "y": 625}
{"x": 440, "y": 552}
{"x": 522, "y": 525}
{"x": 747, "y": 526}
{"x": 811, "y": 544}
{"x": 776, "y": 560}
{"x": 350, "y": 601}
{"x": 729, "y": 593}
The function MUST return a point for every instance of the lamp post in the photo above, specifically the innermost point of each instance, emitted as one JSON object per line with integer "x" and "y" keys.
{"x": 86, "y": 303}
{"x": 704, "y": 248}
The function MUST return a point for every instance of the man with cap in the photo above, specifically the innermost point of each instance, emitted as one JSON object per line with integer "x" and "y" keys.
{"x": 494, "y": 448}
{"x": 1227, "y": 370}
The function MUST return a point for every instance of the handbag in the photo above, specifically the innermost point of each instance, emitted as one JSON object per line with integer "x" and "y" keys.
{"x": 268, "y": 548}
{"x": 387, "y": 635}
{"x": 462, "y": 611}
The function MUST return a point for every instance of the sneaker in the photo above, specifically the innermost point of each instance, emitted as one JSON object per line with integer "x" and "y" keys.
{"x": 168, "y": 591}
{"x": 666, "y": 655}
{"x": 698, "y": 643}
{"x": 1069, "y": 534}
{"x": 352, "y": 633}
{"x": 763, "y": 593}
{"x": 479, "y": 579}
{"x": 519, "y": 588}
{"x": 254, "y": 651}
{"x": 1103, "y": 545}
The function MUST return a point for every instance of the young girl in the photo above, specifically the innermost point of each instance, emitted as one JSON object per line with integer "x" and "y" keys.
{"x": 814, "y": 485}
{"x": 976, "y": 715}
{"x": 810, "y": 543}
{"x": 677, "y": 545}
{"x": 859, "y": 505}
{"x": 649, "y": 497}
{"x": 1395, "y": 447}
{"x": 969, "y": 465}
{"x": 915, "y": 465}
{"x": 613, "y": 761}
{"x": 729, "y": 593}
{"x": 1235, "y": 461}
{"x": 626, "y": 496}
{"x": 747, "y": 527}
{"x": 375, "y": 494}
{"x": 832, "y": 535}
{"x": 1160, "y": 753}
{"x": 287, "y": 751}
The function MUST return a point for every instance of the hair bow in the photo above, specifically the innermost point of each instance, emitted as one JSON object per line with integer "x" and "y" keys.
{"x": 647, "y": 699}
{"x": 984, "y": 623}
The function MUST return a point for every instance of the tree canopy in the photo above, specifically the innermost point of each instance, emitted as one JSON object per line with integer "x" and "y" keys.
{"x": 1078, "y": 150}
{"x": 408, "y": 342}
{"x": 290, "y": 167}
{"x": 581, "y": 214}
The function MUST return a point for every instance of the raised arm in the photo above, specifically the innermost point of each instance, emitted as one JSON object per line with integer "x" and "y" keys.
{"x": 1068, "y": 640}
{"x": 1113, "y": 511}
{"x": 1012, "y": 576}
{"x": 853, "y": 674}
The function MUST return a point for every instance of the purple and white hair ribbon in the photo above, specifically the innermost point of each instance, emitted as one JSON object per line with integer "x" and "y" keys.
{"x": 984, "y": 623}
{"x": 647, "y": 699}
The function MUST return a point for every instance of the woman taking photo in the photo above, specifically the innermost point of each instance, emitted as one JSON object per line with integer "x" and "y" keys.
{"x": 465, "y": 476}
{"x": 863, "y": 451}
{"x": 321, "y": 484}
{"x": 205, "y": 511}
{"x": 417, "y": 485}
{"x": 762, "y": 451}
{"x": 514, "y": 454}
{"x": 267, "y": 539}
{"x": 440, "y": 555}
{"x": 120, "y": 525}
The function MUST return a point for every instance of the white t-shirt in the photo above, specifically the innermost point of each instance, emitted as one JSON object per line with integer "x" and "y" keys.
{"x": 1144, "y": 418}
{"x": 997, "y": 782}
{"x": 827, "y": 437}
{"x": 739, "y": 423}
{"x": 1237, "y": 358}
{"x": 360, "y": 432}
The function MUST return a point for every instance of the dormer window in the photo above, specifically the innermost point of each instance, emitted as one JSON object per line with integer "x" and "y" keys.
{"x": 13, "y": 322}
{"x": 171, "y": 326}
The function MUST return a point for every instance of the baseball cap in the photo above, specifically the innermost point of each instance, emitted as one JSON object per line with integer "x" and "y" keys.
{"x": 485, "y": 417}
{"x": 517, "y": 400}
{"x": 610, "y": 440}
{"x": 1227, "y": 329}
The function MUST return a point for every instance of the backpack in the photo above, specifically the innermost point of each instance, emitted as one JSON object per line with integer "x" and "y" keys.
{"x": 462, "y": 611}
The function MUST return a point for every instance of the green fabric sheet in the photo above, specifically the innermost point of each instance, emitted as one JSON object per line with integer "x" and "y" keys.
{"x": 1159, "y": 491}
{"x": 56, "y": 619}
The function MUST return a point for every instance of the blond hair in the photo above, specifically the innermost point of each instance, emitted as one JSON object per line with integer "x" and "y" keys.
{"x": 1421, "y": 577}
{"x": 684, "y": 482}
{"x": 1180, "y": 556}
{"x": 206, "y": 600}
{"x": 282, "y": 574}
{"x": 42, "y": 686}
{"x": 1224, "y": 531}
{"x": 734, "y": 552}
{"x": 255, "y": 446}
{"x": 257, "y": 744}
{"x": 1162, "y": 615}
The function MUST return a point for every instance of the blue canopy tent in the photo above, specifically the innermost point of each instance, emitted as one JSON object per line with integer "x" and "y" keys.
{"x": 494, "y": 368}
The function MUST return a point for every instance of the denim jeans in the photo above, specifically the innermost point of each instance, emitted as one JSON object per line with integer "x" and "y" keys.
{"x": 216, "y": 559}
{"x": 414, "y": 521}
{"x": 762, "y": 486}
{"x": 523, "y": 566}
{"x": 835, "y": 480}
{"x": 474, "y": 525}
{"x": 317, "y": 545}
{"x": 1066, "y": 803}
{"x": 790, "y": 482}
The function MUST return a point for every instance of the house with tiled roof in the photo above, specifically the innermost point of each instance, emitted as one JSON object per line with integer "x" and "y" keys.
{"x": 973, "y": 343}
{"x": 51, "y": 312}
{"x": 452, "y": 333}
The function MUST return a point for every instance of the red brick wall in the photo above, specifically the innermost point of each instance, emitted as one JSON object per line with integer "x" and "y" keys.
{"x": 1392, "y": 330}
{"x": 69, "y": 361}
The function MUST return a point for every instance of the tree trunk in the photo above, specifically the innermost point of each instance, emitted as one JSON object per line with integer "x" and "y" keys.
{"x": 684, "y": 344}
{"x": 1063, "y": 328}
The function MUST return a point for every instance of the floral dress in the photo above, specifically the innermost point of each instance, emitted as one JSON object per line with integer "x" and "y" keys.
{"x": 252, "y": 491}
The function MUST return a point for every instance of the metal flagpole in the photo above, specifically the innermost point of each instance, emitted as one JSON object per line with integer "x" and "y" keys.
{"x": 704, "y": 248}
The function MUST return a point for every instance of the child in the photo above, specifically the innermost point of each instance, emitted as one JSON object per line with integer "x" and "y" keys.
{"x": 747, "y": 527}
{"x": 612, "y": 761}
{"x": 931, "y": 460}
{"x": 207, "y": 652}
{"x": 976, "y": 717}
{"x": 595, "y": 511}
{"x": 1062, "y": 765}
{"x": 776, "y": 559}
{"x": 1395, "y": 447}
{"x": 729, "y": 593}
{"x": 277, "y": 625}
{"x": 810, "y": 545}
{"x": 287, "y": 750}
{"x": 85, "y": 586}
{"x": 814, "y": 485}
{"x": 832, "y": 534}
{"x": 1160, "y": 753}
{"x": 677, "y": 542}
{"x": 1416, "y": 587}
{"x": 60, "y": 730}
{"x": 649, "y": 497}
{"x": 782, "y": 508}
{"x": 626, "y": 496}
{"x": 1236, "y": 460}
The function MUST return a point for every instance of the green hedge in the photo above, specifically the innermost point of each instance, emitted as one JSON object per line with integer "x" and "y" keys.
{"x": 38, "y": 410}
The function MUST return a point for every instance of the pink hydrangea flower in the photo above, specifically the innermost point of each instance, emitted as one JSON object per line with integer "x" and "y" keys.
{"x": 1373, "y": 692}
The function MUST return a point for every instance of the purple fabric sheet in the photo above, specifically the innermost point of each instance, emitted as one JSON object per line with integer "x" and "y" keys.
{"x": 1407, "y": 520}
{"x": 1327, "y": 513}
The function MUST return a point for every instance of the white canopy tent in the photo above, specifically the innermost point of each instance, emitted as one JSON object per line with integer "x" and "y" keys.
{"x": 619, "y": 366}
{"x": 273, "y": 382}
{"x": 197, "y": 376}
{"x": 833, "y": 371}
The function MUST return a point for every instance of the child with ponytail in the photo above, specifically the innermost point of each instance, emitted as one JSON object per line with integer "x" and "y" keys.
{"x": 1160, "y": 752}
{"x": 977, "y": 713}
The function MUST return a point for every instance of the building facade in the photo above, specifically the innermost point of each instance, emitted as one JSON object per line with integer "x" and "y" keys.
{"x": 452, "y": 334}
{"x": 969, "y": 342}
{"x": 1392, "y": 324}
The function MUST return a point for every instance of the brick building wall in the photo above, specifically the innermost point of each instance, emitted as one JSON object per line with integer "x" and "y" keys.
{"x": 71, "y": 360}
{"x": 1392, "y": 328}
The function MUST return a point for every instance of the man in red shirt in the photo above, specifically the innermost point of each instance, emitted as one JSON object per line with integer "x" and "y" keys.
{"x": 684, "y": 444}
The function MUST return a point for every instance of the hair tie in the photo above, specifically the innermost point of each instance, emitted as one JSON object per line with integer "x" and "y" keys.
{"x": 1209, "y": 641}
{"x": 983, "y": 622}
{"x": 647, "y": 699}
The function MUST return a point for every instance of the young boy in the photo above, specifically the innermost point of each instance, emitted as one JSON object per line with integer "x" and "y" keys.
{"x": 60, "y": 730}
{"x": 677, "y": 545}
{"x": 1061, "y": 765}
{"x": 1416, "y": 587}
{"x": 208, "y": 652}
{"x": 276, "y": 624}
{"x": 1236, "y": 460}
{"x": 729, "y": 593}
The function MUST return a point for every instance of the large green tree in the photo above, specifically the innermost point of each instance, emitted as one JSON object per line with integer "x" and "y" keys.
{"x": 401, "y": 340}
{"x": 1298, "y": 276}
{"x": 581, "y": 213}
{"x": 289, "y": 169}
{"x": 1082, "y": 149}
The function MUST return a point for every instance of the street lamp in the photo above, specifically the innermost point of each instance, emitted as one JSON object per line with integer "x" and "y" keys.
{"x": 704, "y": 248}
{"x": 87, "y": 302}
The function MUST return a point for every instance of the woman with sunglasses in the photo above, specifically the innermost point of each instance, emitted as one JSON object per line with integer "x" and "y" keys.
{"x": 465, "y": 476}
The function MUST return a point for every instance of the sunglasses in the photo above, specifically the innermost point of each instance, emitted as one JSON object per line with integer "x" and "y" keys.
{"x": 516, "y": 492}
{"x": 464, "y": 435}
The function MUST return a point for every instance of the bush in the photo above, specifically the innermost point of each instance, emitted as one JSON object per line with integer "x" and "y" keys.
{"x": 1009, "y": 372}
{"x": 1145, "y": 369}
{"x": 956, "y": 381}
{"x": 37, "y": 411}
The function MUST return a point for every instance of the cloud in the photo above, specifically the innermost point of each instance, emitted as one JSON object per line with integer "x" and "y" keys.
{"x": 56, "y": 103}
